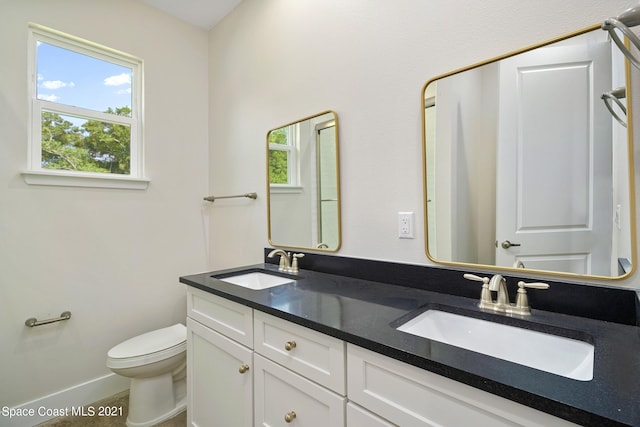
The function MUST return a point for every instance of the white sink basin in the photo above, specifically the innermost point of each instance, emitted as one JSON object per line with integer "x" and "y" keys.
{"x": 256, "y": 280}
{"x": 551, "y": 353}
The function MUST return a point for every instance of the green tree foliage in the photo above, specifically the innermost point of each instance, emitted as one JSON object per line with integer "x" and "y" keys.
{"x": 278, "y": 163}
{"x": 95, "y": 146}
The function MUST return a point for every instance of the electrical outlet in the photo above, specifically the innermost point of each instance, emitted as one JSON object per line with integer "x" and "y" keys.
{"x": 405, "y": 225}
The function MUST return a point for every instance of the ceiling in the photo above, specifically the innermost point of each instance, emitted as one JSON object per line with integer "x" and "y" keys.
{"x": 201, "y": 13}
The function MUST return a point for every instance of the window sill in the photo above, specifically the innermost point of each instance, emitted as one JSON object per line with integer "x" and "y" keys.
{"x": 79, "y": 179}
{"x": 274, "y": 189}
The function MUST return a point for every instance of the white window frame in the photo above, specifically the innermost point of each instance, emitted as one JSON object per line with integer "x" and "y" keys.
{"x": 293, "y": 165}
{"x": 35, "y": 173}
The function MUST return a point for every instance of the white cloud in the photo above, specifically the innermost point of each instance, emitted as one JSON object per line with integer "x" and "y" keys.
{"x": 51, "y": 98}
{"x": 120, "y": 79}
{"x": 55, "y": 84}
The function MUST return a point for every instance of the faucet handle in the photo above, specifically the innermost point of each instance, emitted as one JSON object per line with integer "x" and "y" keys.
{"x": 485, "y": 296}
{"x": 294, "y": 262}
{"x": 532, "y": 285}
{"x": 470, "y": 276}
{"x": 522, "y": 301}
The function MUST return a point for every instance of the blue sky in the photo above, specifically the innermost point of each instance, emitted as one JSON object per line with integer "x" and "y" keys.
{"x": 74, "y": 79}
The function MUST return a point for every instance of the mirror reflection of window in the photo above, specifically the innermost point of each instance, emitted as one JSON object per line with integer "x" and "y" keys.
{"x": 303, "y": 184}
{"x": 282, "y": 155}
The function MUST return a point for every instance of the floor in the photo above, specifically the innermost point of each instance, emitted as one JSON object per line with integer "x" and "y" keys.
{"x": 120, "y": 400}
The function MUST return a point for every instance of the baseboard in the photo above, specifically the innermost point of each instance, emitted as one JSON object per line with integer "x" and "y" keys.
{"x": 48, "y": 407}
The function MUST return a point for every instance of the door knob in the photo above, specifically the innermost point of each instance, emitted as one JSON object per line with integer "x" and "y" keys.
{"x": 507, "y": 244}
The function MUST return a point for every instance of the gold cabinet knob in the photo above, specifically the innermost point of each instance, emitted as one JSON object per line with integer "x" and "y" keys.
{"x": 290, "y": 345}
{"x": 243, "y": 369}
{"x": 290, "y": 417}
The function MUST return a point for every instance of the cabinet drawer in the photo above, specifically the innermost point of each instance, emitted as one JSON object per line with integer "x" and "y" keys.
{"x": 227, "y": 317}
{"x": 360, "y": 417}
{"x": 410, "y": 396}
{"x": 312, "y": 354}
{"x": 280, "y": 393}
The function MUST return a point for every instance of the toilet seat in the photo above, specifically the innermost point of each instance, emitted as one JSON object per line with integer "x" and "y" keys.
{"x": 148, "y": 348}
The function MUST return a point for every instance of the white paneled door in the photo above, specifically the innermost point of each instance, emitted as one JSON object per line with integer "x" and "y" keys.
{"x": 554, "y": 179}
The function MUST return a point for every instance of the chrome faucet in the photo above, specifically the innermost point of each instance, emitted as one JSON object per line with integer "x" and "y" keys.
{"x": 285, "y": 259}
{"x": 288, "y": 263}
{"x": 502, "y": 304}
{"x": 499, "y": 284}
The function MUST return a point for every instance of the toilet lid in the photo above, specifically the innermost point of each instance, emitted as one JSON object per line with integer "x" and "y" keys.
{"x": 151, "y": 342}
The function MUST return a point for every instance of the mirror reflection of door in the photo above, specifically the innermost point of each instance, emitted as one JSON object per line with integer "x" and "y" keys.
{"x": 554, "y": 140}
{"x": 522, "y": 151}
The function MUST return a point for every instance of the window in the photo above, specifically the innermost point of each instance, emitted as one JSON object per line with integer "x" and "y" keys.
{"x": 283, "y": 147}
{"x": 86, "y": 126}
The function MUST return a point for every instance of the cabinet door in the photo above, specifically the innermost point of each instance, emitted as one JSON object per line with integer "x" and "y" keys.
{"x": 220, "y": 394}
{"x": 283, "y": 398}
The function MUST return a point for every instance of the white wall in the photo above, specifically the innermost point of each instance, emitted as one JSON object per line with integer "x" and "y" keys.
{"x": 111, "y": 257}
{"x": 275, "y": 61}
{"x": 467, "y": 108}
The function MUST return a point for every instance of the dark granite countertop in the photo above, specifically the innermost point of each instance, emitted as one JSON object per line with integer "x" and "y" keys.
{"x": 366, "y": 312}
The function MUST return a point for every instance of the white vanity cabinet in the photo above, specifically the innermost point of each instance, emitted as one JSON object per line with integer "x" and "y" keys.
{"x": 409, "y": 396}
{"x": 296, "y": 376}
{"x": 248, "y": 368}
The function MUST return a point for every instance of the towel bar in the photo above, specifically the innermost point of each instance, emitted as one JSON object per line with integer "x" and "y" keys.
{"x": 249, "y": 195}
{"x": 32, "y": 321}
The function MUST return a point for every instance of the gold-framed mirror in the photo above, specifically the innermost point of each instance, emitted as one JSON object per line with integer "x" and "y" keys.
{"x": 303, "y": 184}
{"x": 525, "y": 166}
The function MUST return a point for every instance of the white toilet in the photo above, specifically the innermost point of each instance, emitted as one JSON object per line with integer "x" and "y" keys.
{"x": 156, "y": 363}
